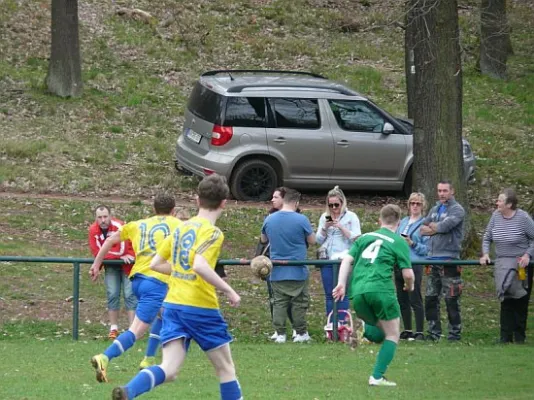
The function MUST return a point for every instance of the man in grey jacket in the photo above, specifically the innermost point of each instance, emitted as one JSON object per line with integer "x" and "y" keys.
{"x": 444, "y": 224}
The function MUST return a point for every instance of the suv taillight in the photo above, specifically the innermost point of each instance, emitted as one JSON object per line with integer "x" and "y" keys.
{"x": 221, "y": 135}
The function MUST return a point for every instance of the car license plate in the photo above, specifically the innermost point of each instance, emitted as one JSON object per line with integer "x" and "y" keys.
{"x": 195, "y": 137}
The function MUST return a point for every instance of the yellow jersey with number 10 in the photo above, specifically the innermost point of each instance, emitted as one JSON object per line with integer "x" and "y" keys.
{"x": 186, "y": 288}
{"x": 146, "y": 236}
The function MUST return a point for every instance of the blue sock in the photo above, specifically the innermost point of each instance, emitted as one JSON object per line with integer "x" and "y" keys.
{"x": 153, "y": 340}
{"x": 120, "y": 345}
{"x": 230, "y": 390}
{"x": 145, "y": 381}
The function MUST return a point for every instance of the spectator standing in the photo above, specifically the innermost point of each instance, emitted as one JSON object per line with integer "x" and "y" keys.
{"x": 115, "y": 277}
{"x": 264, "y": 249}
{"x": 512, "y": 231}
{"x": 338, "y": 229}
{"x": 444, "y": 226}
{"x": 409, "y": 230}
{"x": 288, "y": 234}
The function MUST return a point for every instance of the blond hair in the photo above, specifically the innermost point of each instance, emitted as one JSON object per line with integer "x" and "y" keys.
{"x": 337, "y": 192}
{"x": 417, "y": 196}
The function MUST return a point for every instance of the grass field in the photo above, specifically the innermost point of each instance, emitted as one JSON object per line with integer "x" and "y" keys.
{"x": 59, "y": 369}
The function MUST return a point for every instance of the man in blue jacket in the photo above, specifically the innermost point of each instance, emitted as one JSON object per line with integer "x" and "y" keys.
{"x": 444, "y": 224}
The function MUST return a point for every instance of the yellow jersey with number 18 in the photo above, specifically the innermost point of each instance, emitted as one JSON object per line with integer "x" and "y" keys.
{"x": 146, "y": 236}
{"x": 186, "y": 288}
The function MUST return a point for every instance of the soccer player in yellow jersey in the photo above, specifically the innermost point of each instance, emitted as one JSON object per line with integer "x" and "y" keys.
{"x": 191, "y": 309}
{"x": 150, "y": 287}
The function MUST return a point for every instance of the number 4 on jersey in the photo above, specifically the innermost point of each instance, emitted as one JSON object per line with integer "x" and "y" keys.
{"x": 371, "y": 252}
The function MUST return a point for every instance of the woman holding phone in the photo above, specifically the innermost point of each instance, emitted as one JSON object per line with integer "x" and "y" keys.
{"x": 338, "y": 229}
{"x": 409, "y": 230}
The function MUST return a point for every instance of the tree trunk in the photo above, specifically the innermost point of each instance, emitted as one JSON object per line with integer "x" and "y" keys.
{"x": 409, "y": 62}
{"x": 64, "y": 70}
{"x": 495, "y": 44}
{"x": 438, "y": 148}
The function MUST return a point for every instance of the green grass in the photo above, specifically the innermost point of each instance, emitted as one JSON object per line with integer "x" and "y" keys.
{"x": 270, "y": 371}
{"x": 120, "y": 135}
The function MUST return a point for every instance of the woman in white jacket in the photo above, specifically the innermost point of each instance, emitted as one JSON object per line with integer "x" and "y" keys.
{"x": 338, "y": 229}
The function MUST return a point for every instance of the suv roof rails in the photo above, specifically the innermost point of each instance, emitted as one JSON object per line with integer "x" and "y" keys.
{"x": 337, "y": 88}
{"x": 261, "y": 71}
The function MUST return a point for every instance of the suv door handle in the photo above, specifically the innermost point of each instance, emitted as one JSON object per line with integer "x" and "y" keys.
{"x": 280, "y": 140}
{"x": 344, "y": 143}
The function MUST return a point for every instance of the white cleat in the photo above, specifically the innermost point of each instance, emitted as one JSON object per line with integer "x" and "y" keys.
{"x": 380, "y": 382}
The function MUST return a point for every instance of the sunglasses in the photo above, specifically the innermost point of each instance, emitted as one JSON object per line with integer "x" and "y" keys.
{"x": 415, "y": 203}
{"x": 333, "y": 205}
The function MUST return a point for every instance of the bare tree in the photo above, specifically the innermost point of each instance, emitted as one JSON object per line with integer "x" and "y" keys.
{"x": 438, "y": 152}
{"x": 64, "y": 70}
{"x": 495, "y": 44}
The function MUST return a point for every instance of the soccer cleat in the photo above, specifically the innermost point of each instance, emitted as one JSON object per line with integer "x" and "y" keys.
{"x": 380, "y": 382}
{"x": 147, "y": 362}
{"x": 280, "y": 339}
{"x": 100, "y": 364}
{"x": 119, "y": 393}
{"x": 357, "y": 339}
{"x": 113, "y": 334}
{"x": 303, "y": 338}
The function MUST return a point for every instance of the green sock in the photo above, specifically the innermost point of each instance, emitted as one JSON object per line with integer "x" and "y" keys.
{"x": 384, "y": 358}
{"x": 373, "y": 333}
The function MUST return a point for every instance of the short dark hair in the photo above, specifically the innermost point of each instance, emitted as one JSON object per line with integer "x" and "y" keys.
{"x": 446, "y": 182}
{"x": 164, "y": 203}
{"x": 291, "y": 196}
{"x": 510, "y": 197}
{"x": 282, "y": 190}
{"x": 212, "y": 190}
{"x": 102, "y": 207}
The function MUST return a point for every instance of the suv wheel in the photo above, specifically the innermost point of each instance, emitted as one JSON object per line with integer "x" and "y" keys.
{"x": 254, "y": 180}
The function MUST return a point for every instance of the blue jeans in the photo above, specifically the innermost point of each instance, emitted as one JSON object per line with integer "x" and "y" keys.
{"x": 115, "y": 279}
{"x": 328, "y": 285}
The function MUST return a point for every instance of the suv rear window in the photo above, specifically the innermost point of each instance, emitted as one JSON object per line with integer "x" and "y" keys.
{"x": 206, "y": 104}
{"x": 245, "y": 111}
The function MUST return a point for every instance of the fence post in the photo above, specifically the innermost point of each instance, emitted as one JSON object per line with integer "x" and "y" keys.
{"x": 335, "y": 275}
{"x": 76, "y": 300}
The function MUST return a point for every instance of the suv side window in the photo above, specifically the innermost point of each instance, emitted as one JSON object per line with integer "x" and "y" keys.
{"x": 356, "y": 115}
{"x": 245, "y": 111}
{"x": 296, "y": 113}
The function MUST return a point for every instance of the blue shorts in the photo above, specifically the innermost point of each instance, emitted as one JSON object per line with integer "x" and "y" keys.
{"x": 205, "y": 326}
{"x": 150, "y": 293}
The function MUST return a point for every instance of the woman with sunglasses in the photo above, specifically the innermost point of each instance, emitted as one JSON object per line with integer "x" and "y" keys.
{"x": 409, "y": 230}
{"x": 338, "y": 229}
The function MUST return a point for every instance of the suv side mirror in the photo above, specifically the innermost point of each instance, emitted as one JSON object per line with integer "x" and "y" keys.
{"x": 388, "y": 129}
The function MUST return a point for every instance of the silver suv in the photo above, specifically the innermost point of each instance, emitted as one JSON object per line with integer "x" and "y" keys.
{"x": 262, "y": 129}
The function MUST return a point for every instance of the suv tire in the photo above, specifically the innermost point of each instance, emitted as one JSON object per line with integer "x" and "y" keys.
{"x": 254, "y": 180}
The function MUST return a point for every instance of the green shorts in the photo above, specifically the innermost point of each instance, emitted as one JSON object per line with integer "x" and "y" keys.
{"x": 375, "y": 306}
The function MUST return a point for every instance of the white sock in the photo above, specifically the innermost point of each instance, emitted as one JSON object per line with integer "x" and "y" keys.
{"x": 114, "y": 327}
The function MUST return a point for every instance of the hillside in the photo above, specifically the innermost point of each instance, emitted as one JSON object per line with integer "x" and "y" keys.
{"x": 118, "y": 139}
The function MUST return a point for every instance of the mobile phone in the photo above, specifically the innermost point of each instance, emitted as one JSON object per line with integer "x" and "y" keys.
{"x": 404, "y": 235}
{"x": 328, "y": 218}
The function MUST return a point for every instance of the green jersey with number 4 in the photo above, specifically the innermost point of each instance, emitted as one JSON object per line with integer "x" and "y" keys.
{"x": 375, "y": 254}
